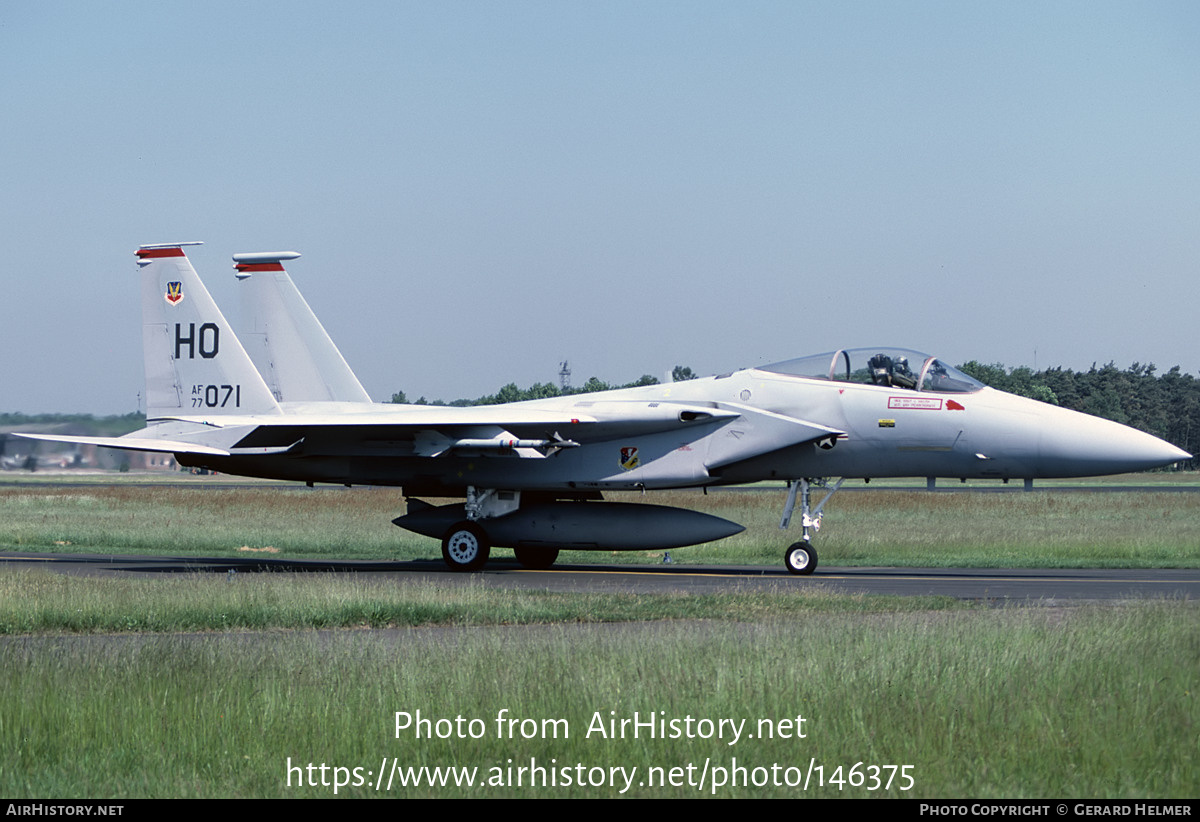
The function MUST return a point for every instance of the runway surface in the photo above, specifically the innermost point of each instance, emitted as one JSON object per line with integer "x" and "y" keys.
{"x": 1028, "y": 586}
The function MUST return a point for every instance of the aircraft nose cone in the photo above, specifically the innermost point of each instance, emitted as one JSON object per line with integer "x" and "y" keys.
{"x": 1090, "y": 446}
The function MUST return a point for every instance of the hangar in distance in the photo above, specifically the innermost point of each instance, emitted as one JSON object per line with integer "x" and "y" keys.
{"x": 532, "y": 474}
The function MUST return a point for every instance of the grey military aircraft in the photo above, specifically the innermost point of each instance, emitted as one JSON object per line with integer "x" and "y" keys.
{"x": 533, "y": 473}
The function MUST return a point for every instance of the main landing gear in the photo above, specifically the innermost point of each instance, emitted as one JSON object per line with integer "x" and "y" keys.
{"x": 801, "y": 557}
{"x": 466, "y": 546}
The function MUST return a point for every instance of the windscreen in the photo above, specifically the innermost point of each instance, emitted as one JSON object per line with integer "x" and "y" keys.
{"x": 891, "y": 367}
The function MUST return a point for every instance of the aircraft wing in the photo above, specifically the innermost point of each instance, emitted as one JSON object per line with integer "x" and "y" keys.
{"x": 723, "y": 433}
{"x": 729, "y": 432}
{"x": 532, "y": 429}
{"x": 402, "y": 430}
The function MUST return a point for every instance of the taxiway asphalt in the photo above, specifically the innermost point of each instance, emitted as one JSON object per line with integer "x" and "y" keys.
{"x": 996, "y": 585}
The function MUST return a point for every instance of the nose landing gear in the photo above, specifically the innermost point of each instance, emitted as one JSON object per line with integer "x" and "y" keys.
{"x": 800, "y": 557}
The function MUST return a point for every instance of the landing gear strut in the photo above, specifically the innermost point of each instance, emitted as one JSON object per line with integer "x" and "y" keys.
{"x": 801, "y": 557}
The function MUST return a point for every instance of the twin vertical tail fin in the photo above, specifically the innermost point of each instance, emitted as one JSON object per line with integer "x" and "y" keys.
{"x": 195, "y": 365}
{"x": 287, "y": 343}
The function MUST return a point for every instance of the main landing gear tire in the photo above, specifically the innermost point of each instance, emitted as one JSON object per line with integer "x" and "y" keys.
{"x": 536, "y": 559}
{"x": 801, "y": 558}
{"x": 465, "y": 547}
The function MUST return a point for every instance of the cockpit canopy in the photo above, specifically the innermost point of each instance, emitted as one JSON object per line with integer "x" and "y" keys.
{"x": 893, "y": 367}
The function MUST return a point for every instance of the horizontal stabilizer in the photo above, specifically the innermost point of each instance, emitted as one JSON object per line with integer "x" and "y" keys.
{"x": 130, "y": 443}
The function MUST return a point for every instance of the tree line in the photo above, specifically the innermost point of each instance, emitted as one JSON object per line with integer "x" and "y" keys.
{"x": 79, "y": 424}
{"x": 546, "y": 390}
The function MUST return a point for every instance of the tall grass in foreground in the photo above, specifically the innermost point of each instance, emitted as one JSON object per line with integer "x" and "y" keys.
{"x": 914, "y": 528}
{"x": 1016, "y": 703}
{"x": 38, "y": 602}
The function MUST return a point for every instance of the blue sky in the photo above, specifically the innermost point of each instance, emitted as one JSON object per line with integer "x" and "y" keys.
{"x": 481, "y": 190}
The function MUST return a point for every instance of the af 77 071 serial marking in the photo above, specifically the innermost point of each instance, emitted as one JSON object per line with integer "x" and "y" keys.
{"x": 216, "y": 396}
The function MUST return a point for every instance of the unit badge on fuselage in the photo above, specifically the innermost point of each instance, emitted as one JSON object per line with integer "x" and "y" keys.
{"x": 629, "y": 457}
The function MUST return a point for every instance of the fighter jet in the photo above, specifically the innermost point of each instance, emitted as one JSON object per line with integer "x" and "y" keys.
{"x": 533, "y": 473}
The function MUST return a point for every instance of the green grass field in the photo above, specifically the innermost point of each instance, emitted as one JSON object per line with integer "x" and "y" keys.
{"x": 1087, "y": 703}
{"x": 41, "y": 601}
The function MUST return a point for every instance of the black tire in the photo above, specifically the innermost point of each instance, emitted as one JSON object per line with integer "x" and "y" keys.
{"x": 800, "y": 559}
{"x": 465, "y": 547}
{"x": 536, "y": 559}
